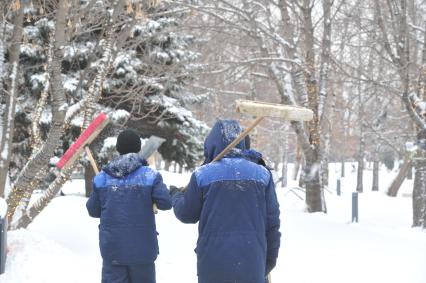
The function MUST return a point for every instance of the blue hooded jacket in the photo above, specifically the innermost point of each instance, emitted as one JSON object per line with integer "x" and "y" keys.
{"x": 123, "y": 195}
{"x": 235, "y": 203}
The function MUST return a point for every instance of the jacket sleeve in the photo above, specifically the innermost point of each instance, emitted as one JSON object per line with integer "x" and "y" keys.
{"x": 93, "y": 203}
{"x": 273, "y": 235}
{"x": 187, "y": 205}
{"x": 160, "y": 194}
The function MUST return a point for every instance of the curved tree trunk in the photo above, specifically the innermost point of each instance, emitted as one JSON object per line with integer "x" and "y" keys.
{"x": 64, "y": 176}
{"x": 27, "y": 181}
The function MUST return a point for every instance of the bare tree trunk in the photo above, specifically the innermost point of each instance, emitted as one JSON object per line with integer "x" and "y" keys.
{"x": 419, "y": 191}
{"x": 400, "y": 57}
{"x": 410, "y": 173}
{"x": 26, "y": 181}
{"x": 314, "y": 192}
{"x": 360, "y": 172}
{"x": 376, "y": 164}
{"x": 399, "y": 179}
{"x": 167, "y": 164}
{"x": 361, "y": 116}
{"x": 54, "y": 188}
{"x": 158, "y": 161}
{"x": 8, "y": 118}
{"x": 306, "y": 87}
{"x": 89, "y": 174}
{"x": 284, "y": 169}
{"x": 297, "y": 162}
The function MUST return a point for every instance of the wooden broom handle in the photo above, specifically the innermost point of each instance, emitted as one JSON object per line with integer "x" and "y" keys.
{"x": 91, "y": 159}
{"x": 95, "y": 168}
{"x": 238, "y": 139}
{"x": 233, "y": 143}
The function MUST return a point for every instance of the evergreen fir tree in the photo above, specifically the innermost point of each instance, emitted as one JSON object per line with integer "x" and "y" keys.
{"x": 147, "y": 77}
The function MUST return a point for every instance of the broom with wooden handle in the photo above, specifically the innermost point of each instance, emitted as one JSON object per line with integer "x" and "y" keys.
{"x": 82, "y": 143}
{"x": 262, "y": 110}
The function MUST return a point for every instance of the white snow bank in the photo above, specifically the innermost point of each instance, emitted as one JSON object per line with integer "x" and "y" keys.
{"x": 35, "y": 258}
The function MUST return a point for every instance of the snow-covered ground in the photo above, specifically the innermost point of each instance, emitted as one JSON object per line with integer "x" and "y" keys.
{"x": 62, "y": 243}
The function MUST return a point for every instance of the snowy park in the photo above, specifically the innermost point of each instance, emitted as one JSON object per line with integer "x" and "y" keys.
{"x": 245, "y": 141}
{"x": 62, "y": 244}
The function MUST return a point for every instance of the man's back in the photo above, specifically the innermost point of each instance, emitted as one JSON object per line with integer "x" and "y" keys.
{"x": 234, "y": 196}
{"x": 235, "y": 203}
{"x": 124, "y": 192}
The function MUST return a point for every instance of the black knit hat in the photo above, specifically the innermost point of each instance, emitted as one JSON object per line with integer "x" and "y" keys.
{"x": 128, "y": 141}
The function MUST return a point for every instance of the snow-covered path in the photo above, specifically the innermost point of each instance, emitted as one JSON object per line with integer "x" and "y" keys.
{"x": 62, "y": 243}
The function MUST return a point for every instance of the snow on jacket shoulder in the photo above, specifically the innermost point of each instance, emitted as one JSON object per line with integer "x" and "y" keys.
{"x": 235, "y": 203}
{"x": 123, "y": 195}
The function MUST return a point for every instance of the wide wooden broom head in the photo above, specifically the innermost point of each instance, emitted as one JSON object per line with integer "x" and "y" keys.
{"x": 266, "y": 109}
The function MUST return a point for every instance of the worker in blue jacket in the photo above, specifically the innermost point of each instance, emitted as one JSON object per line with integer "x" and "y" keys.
{"x": 235, "y": 203}
{"x": 123, "y": 195}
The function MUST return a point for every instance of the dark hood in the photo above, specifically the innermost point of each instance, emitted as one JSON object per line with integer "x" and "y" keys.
{"x": 222, "y": 134}
{"x": 124, "y": 165}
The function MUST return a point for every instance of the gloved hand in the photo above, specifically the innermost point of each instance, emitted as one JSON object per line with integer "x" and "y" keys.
{"x": 173, "y": 191}
{"x": 270, "y": 264}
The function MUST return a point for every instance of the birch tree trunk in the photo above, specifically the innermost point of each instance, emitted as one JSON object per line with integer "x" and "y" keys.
{"x": 361, "y": 116}
{"x": 323, "y": 93}
{"x": 400, "y": 57}
{"x": 376, "y": 165}
{"x": 419, "y": 189}
{"x": 284, "y": 169}
{"x": 8, "y": 118}
{"x": 306, "y": 87}
{"x": 360, "y": 171}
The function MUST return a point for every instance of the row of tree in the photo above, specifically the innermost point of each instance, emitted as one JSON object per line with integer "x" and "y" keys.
{"x": 359, "y": 65}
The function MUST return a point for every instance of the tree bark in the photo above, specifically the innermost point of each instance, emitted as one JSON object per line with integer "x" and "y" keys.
{"x": 419, "y": 190}
{"x": 35, "y": 209}
{"x": 27, "y": 180}
{"x": 297, "y": 163}
{"x": 399, "y": 179}
{"x": 8, "y": 118}
{"x": 284, "y": 169}
{"x": 305, "y": 85}
{"x": 89, "y": 174}
{"x": 376, "y": 164}
{"x": 167, "y": 164}
{"x": 314, "y": 191}
{"x": 360, "y": 171}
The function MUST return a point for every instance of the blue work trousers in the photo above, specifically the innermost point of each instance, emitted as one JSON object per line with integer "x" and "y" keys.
{"x": 116, "y": 273}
